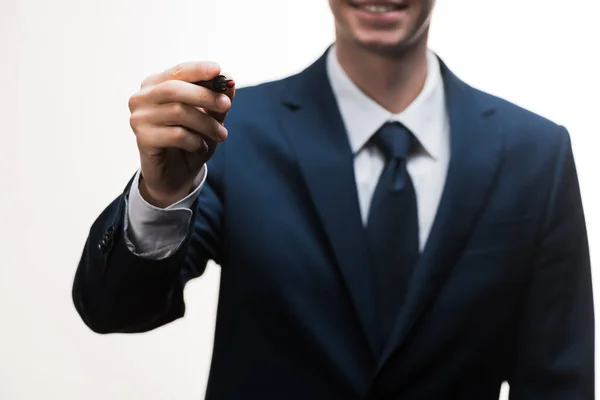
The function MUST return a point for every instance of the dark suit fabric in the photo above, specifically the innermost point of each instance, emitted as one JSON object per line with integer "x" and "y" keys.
{"x": 502, "y": 290}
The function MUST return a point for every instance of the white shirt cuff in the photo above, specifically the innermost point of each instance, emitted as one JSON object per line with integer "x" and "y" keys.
{"x": 156, "y": 233}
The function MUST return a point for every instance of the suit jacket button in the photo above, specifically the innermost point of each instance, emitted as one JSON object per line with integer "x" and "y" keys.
{"x": 106, "y": 240}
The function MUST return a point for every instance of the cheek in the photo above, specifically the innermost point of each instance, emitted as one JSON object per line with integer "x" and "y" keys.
{"x": 425, "y": 9}
{"x": 336, "y": 6}
{"x": 342, "y": 14}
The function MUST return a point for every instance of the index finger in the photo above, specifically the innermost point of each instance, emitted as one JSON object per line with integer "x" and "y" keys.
{"x": 188, "y": 72}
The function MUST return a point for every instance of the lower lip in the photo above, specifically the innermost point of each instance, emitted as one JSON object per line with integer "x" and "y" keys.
{"x": 390, "y": 16}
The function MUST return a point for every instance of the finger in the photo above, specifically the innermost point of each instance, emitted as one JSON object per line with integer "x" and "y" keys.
{"x": 165, "y": 137}
{"x": 220, "y": 114}
{"x": 193, "y": 95}
{"x": 178, "y": 114}
{"x": 187, "y": 71}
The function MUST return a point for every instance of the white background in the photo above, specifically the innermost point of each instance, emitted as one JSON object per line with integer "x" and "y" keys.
{"x": 67, "y": 69}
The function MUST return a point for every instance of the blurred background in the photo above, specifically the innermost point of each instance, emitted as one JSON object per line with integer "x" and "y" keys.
{"x": 67, "y": 70}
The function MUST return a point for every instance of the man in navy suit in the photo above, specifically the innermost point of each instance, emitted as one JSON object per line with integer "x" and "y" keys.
{"x": 384, "y": 230}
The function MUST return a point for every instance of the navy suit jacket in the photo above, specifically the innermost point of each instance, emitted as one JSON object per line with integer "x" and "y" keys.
{"x": 502, "y": 291}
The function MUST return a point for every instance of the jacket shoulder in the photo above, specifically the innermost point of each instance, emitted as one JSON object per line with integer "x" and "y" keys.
{"x": 518, "y": 121}
{"x": 527, "y": 135}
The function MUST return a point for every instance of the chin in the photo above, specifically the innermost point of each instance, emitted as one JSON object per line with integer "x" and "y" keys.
{"x": 386, "y": 44}
{"x": 379, "y": 41}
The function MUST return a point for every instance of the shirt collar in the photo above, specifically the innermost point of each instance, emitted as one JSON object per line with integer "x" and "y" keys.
{"x": 362, "y": 116}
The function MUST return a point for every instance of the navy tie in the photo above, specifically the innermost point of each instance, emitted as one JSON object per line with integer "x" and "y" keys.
{"x": 392, "y": 227}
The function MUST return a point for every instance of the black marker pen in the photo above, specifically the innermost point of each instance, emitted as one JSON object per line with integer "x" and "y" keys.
{"x": 219, "y": 84}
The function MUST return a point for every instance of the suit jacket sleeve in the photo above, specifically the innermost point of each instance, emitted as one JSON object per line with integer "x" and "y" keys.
{"x": 115, "y": 290}
{"x": 555, "y": 352}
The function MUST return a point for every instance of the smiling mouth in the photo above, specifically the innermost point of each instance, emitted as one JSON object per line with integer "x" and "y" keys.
{"x": 379, "y": 8}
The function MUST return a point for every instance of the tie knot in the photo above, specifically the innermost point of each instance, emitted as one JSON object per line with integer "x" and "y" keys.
{"x": 394, "y": 140}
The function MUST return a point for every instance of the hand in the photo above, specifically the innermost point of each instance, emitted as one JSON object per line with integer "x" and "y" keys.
{"x": 178, "y": 126}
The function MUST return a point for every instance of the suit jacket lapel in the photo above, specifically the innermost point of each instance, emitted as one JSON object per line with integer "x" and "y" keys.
{"x": 313, "y": 123}
{"x": 476, "y": 152}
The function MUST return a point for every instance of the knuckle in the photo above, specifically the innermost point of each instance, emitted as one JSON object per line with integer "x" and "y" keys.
{"x": 178, "y": 134}
{"x": 166, "y": 90}
{"x": 176, "y": 71}
{"x": 134, "y": 101}
{"x": 176, "y": 111}
{"x": 148, "y": 81}
{"x": 195, "y": 145}
{"x": 135, "y": 121}
{"x": 139, "y": 99}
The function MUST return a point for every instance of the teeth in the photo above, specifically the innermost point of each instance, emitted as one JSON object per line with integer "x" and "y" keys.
{"x": 376, "y": 8}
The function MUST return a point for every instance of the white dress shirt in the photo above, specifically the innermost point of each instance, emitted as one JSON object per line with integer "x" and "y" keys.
{"x": 156, "y": 233}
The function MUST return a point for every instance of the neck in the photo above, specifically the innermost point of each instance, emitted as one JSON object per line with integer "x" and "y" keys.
{"x": 393, "y": 81}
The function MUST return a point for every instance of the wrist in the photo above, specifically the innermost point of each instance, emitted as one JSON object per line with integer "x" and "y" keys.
{"x": 160, "y": 199}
